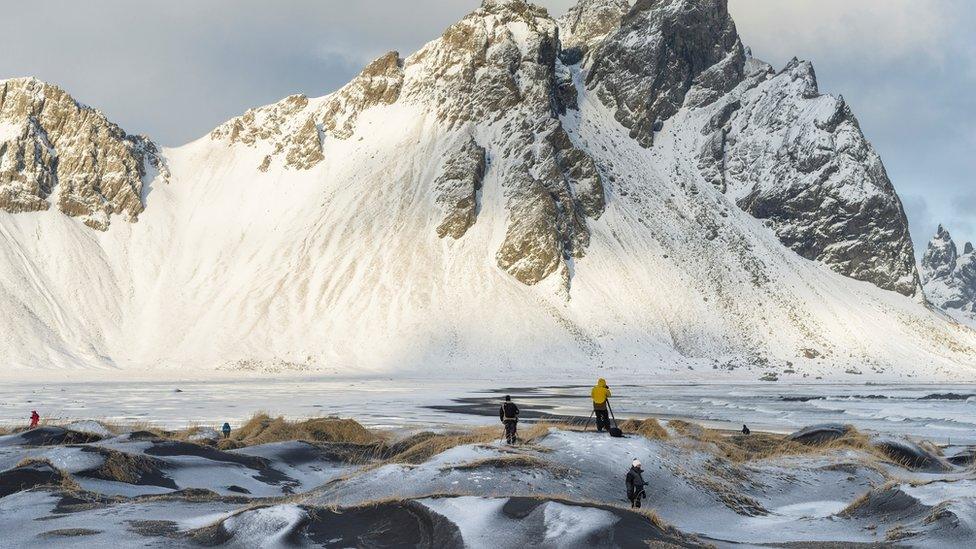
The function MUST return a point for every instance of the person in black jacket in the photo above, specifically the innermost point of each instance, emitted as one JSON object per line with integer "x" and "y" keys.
{"x": 636, "y": 484}
{"x": 509, "y": 413}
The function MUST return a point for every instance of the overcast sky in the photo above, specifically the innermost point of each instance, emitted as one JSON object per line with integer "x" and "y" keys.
{"x": 174, "y": 70}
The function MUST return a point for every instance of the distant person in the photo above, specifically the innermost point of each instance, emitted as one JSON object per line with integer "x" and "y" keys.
{"x": 226, "y": 430}
{"x": 509, "y": 413}
{"x": 745, "y": 430}
{"x": 600, "y": 394}
{"x": 636, "y": 484}
{"x": 35, "y": 419}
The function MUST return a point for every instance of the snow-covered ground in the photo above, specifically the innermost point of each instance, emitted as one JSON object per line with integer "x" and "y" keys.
{"x": 943, "y": 413}
{"x": 564, "y": 488}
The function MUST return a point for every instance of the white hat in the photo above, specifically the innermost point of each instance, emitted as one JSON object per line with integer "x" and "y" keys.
{"x": 636, "y": 463}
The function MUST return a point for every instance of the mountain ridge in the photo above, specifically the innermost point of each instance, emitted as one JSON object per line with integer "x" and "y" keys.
{"x": 478, "y": 205}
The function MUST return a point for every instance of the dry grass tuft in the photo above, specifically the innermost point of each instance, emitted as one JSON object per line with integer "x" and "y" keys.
{"x": 226, "y": 444}
{"x": 864, "y": 499}
{"x": 898, "y": 533}
{"x": 537, "y": 431}
{"x": 757, "y": 446}
{"x": 123, "y": 467}
{"x": 650, "y": 429}
{"x": 660, "y": 524}
{"x": 263, "y": 429}
{"x": 66, "y": 482}
{"x": 30, "y": 461}
{"x": 685, "y": 428}
{"x": 430, "y": 445}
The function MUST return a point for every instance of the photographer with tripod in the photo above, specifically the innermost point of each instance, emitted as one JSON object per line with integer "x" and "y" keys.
{"x": 600, "y": 394}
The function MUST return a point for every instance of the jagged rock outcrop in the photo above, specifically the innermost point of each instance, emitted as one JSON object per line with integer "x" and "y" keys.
{"x": 949, "y": 277}
{"x": 293, "y": 128}
{"x": 941, "y": 257}
{"x": 457, "y": 189}
{"x": 644, "y": 69}
{"x": 500, "y": 66}
{"x": 378, "y": 84}
{"x": 589, "y": 21}
{"x": 55, "y": 150}
{"x": 798, "y": 159}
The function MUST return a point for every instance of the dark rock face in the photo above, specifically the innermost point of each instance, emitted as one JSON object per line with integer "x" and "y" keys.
{"x": 457, "y": 189}
{"x": 950, "y": 278}
{"x": 941, "y": 257}
{"x": 798, "y": 160}
{"x": 55, "y": 150}
{"x": 819, "y": 183}
{"x": 644, "y": 69}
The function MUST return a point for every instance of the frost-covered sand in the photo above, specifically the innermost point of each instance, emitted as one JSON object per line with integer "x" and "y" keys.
{"x": 341, "y": 485}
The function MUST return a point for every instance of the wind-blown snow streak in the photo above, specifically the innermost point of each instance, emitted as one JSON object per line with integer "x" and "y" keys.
{"x": 310, "y": 235}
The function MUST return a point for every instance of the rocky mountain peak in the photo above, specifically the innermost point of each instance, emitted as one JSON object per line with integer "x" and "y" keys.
{"x": 589, "y": 21}
{"x": 499, "y": 68}
{"x": 941, "y": 257}
{"x": 495, "y": 5}
{"x": 950, "y": 278}
{"x": 56, "y": 150}
{"x": 797, "y": 158}
{"x": 644, "y": 69}
{"x": 292, "y": 130}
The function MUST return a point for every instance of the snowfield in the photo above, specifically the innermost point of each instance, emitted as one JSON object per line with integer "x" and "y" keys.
{"x": 339, "y": 269}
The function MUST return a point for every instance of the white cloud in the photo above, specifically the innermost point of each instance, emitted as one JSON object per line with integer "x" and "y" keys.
{"x": 883, "y": 30}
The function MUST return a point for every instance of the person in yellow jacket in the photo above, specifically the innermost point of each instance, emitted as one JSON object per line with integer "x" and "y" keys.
{"x": 600, "y": 394}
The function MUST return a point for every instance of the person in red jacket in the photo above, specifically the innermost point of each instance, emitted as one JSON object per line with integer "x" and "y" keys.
{"x": 35, "y": 419}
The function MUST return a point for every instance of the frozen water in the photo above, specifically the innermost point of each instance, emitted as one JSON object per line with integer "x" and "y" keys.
{"x": 943, "y": 413}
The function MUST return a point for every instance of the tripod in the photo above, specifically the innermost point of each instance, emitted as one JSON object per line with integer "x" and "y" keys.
{"x": 586, "y": 425}
{"x": 610, "y": 409}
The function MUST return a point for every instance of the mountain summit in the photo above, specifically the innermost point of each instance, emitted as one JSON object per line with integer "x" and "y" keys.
{"x": 624, "y": 188}
{"x": 950, "y": 277}
{"x": 55, "y": 150}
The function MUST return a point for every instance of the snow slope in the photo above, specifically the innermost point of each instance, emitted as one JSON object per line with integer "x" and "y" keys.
{"x": 303, "y": 237}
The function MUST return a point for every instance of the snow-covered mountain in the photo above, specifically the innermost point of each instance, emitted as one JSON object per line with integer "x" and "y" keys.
{"x": 643, "y": 196}
{"x": 950, "y": 277}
